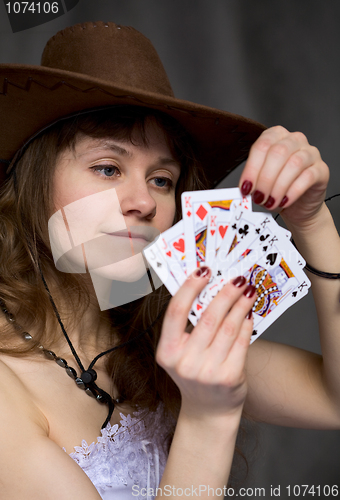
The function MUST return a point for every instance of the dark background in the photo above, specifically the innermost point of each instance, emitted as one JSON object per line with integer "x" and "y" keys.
{"x": 276, "y": 62}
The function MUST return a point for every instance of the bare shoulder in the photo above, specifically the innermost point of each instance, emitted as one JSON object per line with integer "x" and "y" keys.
{"x": 15, "y": 397}
{"x": 46, "y": 471}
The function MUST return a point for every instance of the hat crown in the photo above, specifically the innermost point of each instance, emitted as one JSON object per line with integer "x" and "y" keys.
{"x": 117, "y": 54}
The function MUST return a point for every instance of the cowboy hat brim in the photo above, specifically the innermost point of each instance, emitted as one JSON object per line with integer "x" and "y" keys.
{"x": 33, "y": 97}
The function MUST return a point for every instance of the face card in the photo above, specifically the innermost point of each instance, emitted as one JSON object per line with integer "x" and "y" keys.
{"x": 196, "y": 206}
{"x": 279, "y": 280}
{"x": 244, "y": 228}
{"x": 218, "y": 222}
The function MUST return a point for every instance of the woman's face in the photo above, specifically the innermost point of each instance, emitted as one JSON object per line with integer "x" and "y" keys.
{"x": 114, "y": 198}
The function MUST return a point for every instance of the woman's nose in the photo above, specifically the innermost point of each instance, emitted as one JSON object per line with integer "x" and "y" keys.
{"x": 135, "y": 199}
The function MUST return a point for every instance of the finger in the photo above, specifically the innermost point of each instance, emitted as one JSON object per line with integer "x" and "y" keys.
{"x": 308, "y": 178}
{"x": 176, "y": 316}
{"x": 296, "y": 165}
{"x": 257, "y": 156}
{"x": 287, "y": 154}
{"x": 238, "y": 353}
{"x": 233, "y": 325}
{"x": 211, "y": 319}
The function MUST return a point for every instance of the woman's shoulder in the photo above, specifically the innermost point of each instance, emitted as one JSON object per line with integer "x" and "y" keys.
{"x": 14, "y": 396}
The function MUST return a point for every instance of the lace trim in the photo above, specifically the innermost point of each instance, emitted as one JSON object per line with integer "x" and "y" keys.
{"x": 134, "y": 453}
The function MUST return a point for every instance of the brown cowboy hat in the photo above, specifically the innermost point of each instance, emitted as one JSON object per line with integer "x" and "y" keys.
{"x": 97, "y": 64}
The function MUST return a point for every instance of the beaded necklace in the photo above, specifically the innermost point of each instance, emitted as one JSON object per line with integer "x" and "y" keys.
{"x": 86, "y": 381}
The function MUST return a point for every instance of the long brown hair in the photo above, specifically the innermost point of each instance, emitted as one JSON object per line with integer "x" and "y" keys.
{"x": 26, "y": 203}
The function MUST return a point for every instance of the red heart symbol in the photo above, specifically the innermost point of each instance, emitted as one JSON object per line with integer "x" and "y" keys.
{"x": 222, "y": 230}
{"x": 198, "y": 307}
{"x": 212, "y": 231}
{"x": 168, "y": 253}
{"x": 179, "y": 245}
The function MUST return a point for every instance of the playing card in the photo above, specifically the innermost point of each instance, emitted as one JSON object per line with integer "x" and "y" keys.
{"x": 155, "y": 258}
{"x": 244, "y": 228}
{"x": 256, "y": 234}
{"x": 172, "y": 245}
{"x": 279, "y": 280}
{"x": 218, "y": 221}
{"x": 244, "y": 243}
{"x": 196, "y": 206}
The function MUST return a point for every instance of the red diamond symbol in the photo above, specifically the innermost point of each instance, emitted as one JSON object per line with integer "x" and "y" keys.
{"x": 201, "y": 212}
{"x": 188, "y": 213}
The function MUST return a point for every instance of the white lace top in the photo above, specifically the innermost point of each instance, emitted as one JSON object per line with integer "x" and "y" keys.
{"x": 127, "y": 461}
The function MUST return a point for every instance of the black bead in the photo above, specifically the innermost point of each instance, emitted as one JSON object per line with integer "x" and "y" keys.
{"x": 71, "y": 372}
{"x": 49, "y": 354}
{"x": 61, "y": 362}
{"x": 88, "y": 376}
{"x": 27, "y": 336}
{"x": 90, "y": 393}
{"x": 10, "y": 317}
{"x": 80, "y": 383}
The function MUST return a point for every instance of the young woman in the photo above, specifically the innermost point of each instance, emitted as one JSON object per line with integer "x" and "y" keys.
{"x": 95, "y": 137}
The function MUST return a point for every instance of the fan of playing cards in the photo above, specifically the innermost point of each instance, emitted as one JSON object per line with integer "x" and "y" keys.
{"x": 220, "y": 230}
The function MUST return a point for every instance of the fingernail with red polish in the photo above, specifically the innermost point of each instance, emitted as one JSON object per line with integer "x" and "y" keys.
{"x": 239, "y": 281}
{"x": 283, "y": 202}
{"x": 258, "y": 197}
{"x": 246, "y": 187}
{"x": 270, "y": 202}
{"x": 250, "y": 314}
{"x": 249, "y": 291}
{"x": 202, "y": 272}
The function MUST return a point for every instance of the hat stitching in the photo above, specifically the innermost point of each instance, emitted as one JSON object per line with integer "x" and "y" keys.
{"x": 89, "y": 25}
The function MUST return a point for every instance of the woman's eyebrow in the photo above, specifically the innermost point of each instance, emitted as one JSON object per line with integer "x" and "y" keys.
{"x": 105, "y": 145}
{"x": 112, "y": 146}
{"x": 169, "y": 161}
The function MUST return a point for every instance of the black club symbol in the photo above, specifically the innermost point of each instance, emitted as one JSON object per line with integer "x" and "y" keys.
{"x": 244, "y": 231}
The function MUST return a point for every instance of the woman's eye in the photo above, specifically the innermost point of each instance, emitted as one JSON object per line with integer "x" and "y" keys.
{"x": 165, "y": 182}
{"x": 106, "y": 170}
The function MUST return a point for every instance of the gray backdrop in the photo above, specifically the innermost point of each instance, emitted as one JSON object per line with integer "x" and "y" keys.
{"x": 276, "y": 62}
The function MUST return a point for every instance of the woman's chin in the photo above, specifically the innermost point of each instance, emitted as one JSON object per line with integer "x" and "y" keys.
{"x": 129, "y": 270}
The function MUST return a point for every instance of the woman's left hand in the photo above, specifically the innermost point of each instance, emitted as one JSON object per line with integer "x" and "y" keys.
{"x": 284, "y": 171}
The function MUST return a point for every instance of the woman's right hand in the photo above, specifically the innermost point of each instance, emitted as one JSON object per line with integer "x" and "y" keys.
{"x": 208, "y": 364}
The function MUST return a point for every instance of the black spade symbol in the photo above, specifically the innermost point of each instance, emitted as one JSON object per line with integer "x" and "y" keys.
{"x": 294, "y": 294}
{"x": 192, "y": 313}
{"x": 254, "y": 332}
{"x": 263, "y": 238}
{"x": 159, "y": 264}
{"x": 265, "y": 249}
{"x": 271, "y": 258}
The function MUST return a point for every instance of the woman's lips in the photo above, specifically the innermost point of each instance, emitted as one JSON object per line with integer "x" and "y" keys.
{"x": 146, "y": 234}
{"x": 134, "y": 237}
{"x": 136, "y": 243}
